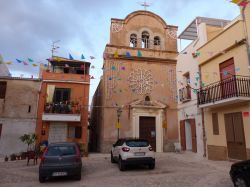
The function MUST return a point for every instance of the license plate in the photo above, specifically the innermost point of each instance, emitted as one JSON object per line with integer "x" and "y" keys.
{"x": 140, "y": 154}
{"x": 56, "y": 174}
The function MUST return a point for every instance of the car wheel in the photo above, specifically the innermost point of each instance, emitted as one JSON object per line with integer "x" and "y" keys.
{"x": 112, "y": 158}
{"x": 239, "y": 181}
{"x": 151, "y": 166}
{"x": 122, "y": 165}
{"x": 41, "y": 179}
{"x": 78, "y": 176}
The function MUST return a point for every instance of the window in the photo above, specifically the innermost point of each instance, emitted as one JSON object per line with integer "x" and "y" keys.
{"x": 133, "y": 40}
{"x": 61, "y": 150}
{"x": 75, "y": 132}
{"x": 147, "y": 98}
{"x": 1, "y": 126}
{"x": 3, "y": 85}
{"x": 215, "y": 123}
{"x": 157, "y": 40}
{"x": 185, "y": 91}
{"x": 29, "y": 110}
{"x": 61, "y": 95}
{"x": 145, "y": 39}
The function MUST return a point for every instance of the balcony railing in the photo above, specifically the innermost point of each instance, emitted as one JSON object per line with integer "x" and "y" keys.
{"x": 235, "y": 86}
{"x": 185, "y": 94}
{"x": 62, "y": 108}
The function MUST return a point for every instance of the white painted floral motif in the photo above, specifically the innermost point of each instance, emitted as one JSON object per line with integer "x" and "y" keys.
{"x": 141, "y": 81}
{"x": 116, "y": 27}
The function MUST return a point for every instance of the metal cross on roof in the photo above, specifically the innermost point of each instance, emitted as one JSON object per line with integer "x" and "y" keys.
{"x": 145, "y": 5}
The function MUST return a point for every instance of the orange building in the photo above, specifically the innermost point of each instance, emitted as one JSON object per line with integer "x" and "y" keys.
{"x": 63, "y": 102}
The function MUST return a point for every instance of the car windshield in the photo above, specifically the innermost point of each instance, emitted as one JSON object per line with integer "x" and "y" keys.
{"x": 137, "y": 143}
{"x": 61, "y": 150}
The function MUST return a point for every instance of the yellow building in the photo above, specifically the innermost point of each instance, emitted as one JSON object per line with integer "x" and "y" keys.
{"x": 225, "y": 94}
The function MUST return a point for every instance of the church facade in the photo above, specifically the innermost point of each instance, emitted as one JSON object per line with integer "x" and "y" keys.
{"x": 137, "y": 95}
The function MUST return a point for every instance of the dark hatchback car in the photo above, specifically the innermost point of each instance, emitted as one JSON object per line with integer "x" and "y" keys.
{"x": 60, "y": 159}
{"x": 240, "y": 173}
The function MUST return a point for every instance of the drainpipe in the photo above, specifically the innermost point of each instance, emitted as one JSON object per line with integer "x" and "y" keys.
{"x": 203, "y": 123}
{"x": 245, "y": 33}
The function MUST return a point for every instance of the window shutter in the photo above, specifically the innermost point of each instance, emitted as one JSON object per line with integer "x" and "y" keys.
{"x": 215, "y": 123}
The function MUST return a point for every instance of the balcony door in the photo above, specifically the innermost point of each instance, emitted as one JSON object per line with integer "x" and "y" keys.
{"x": 227, "y": 72}
{"x": 236, "y": 145}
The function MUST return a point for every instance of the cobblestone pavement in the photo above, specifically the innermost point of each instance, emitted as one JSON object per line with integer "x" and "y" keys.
{"x": 172, "y": 170}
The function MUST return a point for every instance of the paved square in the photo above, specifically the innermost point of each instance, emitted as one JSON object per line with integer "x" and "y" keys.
{"x": 172, "y": 170}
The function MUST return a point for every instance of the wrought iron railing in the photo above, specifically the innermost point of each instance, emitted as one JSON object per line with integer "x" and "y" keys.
{"x": 185, "y": 94}
{"x": 62, "y": 108}
{"x": 235, "y": 86}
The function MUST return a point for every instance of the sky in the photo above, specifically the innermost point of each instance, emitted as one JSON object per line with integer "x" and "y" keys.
{"x": 29, "y": 27}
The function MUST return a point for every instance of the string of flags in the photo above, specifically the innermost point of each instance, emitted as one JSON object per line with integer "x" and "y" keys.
{"x": 240, "y": 2}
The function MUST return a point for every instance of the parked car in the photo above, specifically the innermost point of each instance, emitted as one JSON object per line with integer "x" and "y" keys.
{"x": 60, "y": 159}
{"x": 132, "y": 152}
{"x": 240, "y": 173}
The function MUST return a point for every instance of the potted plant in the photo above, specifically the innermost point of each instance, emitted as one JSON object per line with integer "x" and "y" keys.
{"x": 28, "y": 139}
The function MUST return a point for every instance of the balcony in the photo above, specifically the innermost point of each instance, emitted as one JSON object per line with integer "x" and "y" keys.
{"x": 62, "y": 112}
{"x": 185, "y": 94}
{"x": 229, "y": 91}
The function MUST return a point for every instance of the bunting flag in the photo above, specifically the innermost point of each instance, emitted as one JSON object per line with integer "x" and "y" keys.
{"x": 19, "y": 61}
{"x": 123, "y": 68}
{"x": 93, "y": 67}
{"x": 91, "y": 57}
{"x": 235, "y": 1}
{"x": 92, "y": 77}
{"x": 116, "y": 54}
{"x": 25, "y": 63}
{"x": 8, "y": 63}
{"x": 34, "y": 65}
{"x": 113, "y": 68}
{"x": 70, "y": 57}
{"x": 128, "y": 54}
{"x": 139, "y": 53}
{"x": 82, "y": 57}
{"x": 243, "y": 3}
{"x": 110, "y": 78}
{"x": 30, "y": 60}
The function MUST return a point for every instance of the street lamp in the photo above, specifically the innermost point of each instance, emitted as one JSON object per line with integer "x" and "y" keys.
{"x": 119, "y": 113}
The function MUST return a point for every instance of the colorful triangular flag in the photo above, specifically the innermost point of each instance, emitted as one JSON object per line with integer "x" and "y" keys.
{"x": 70, "y": 57}
{"x": 30, "y": 60}
{"x": 235, "y": 1}
{"x": 116, "y": 54}
{"x": 19, "y": 61}
{"x": 128, "y": 54}
{"x": 139, "y": 53}
{"x": 25, "y": 63}
{"x": 91, "y": 57}
{"x": 92, "y": 77}
{"x": 9, "y": 63}
{"x": 82, "y": 57}
{"x": 34, "y": 65}
{"x": 243, "y": 3}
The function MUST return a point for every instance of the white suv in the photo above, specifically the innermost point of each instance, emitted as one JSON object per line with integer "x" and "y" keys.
{"x": 131, "y": 152}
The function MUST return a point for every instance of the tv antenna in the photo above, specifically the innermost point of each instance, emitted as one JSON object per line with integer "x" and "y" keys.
{"x": 54, "y": 47}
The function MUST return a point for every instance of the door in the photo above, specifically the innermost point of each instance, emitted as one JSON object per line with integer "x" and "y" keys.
{"x": 57, "y": 132}
{"x": 147, "y": 130}
{"x": 183, "y": 135}
{"x": 227, "y": 72}
{"x": 236, "y": 145}
{"x": 193, "y": 130}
